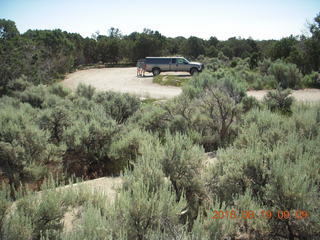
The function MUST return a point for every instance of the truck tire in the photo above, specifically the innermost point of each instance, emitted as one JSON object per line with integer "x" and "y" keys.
{"x": 155, "y": 71}
{"x": 194, "y": 71}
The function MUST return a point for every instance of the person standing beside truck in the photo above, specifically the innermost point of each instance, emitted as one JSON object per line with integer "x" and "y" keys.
{"x": 143, "y": 67}
{"x": 140, "y": 67}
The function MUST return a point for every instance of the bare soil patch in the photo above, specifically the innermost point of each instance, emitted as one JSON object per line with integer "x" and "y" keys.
{"x": 122, "y": 80}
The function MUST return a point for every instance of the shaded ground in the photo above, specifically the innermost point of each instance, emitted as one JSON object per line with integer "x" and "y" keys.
{"x": 125, "y": 80}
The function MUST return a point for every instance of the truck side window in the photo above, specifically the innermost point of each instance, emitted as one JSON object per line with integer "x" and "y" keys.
{"x": 174, "y": 60}
{"x": 180, "y": 61}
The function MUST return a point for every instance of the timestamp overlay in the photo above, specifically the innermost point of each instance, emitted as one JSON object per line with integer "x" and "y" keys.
{"x": 266, "y": 214}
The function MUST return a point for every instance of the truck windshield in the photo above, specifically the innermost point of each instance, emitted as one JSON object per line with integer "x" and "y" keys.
{"x": 185, "y": 60}
{"x": 182, "y": 61}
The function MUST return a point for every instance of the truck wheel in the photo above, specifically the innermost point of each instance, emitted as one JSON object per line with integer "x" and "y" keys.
{"x": 194, "y": 71}
{"x": 155, "y": 71}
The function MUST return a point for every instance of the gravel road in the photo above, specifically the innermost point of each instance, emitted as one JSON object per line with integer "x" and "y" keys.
{"x": 125, "y": 80}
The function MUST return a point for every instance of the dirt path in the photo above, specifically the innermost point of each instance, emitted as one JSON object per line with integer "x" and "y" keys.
{"x": 125, "y": 80}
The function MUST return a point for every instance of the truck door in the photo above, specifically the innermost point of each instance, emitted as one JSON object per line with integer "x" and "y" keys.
{"x": 174, "y": 64}
{"x": 182, "y": 65}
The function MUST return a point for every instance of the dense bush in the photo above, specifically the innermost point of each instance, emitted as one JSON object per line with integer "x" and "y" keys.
{"x": 152, "y": 118}
{"x": 182, "y": 164}
{"x": 58, "y": 90}
{"x": 24, "y": 147}
{"x": 260, "y": 172}
{"x": 86, "y": 91}
{"x": 19, "y": 84}
{"x": 5, "y": 203}
{"x": 169, "y": 191}
{"x": 228, "y": 84}
{"x": 278, "y": 100}
{"x": 18, "y": 226}
{"x": 311, "y": 80}
{"x": 41, "y": 215}
{"x": 118, "y": 106}
{"x": 128, "y": 146}
{"x": 249, "y": 102}
{"x": 89, "y": 140}
{"x": 286, "y": 74}
{"x": 50, "y": 126}
{"x": 55, "y": 120}
{"x": 34, "y": 95}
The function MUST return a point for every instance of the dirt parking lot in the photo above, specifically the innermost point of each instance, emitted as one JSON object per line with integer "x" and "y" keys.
{"x": 125, "y": 80}
{"x": 121, "y": 80}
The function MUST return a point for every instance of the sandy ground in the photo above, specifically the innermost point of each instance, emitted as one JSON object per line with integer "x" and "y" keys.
{"x": 306, "y": 95}
{"x": 107, "y": 186}
{"x": 121, "y": 80}
{"x": 125, "y": 80}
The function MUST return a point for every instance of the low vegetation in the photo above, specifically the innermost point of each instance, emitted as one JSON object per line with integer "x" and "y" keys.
{"x": 266, "y": 169}
{"x": 267, "y": 160}
{"x": 171, "y": 80}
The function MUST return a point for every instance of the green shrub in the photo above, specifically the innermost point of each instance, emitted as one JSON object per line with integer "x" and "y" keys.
{"x": 286, "y": 74}
{"x": 24, "y": 147}
{"x": 34, "y": 95}
{"x": 140, "y": 212}
{"x": 257, "y": 81}
{"x": 311, "y": 80}
{"x": 6, "y": 101}
{"x": 170, "y": 80}
{"x": 117, "y": 105}
{"x": 86, "y": 91}
{"x": 127, "y": 147}
{"x": 205, "y": 227}
{"x": 17, "y": 227}
{"x": 83, "y": 106}
{"x": 147, "y": 167}
{"x": 218, "y": 112}
{"x": 249, "y": 103}
{"x": 151, "y": 118}
{"x": 88, "y": 140}
{"x": 19, "y": 84}
{"x": 55, "y": 120}
{"x": 91, "y": 225}
{"x": 279, "y": 100}
{"x": 59, "y": 90}
{"x": 5, "y": 202}
{"x": 48, "y": 214}
{"x": 179, "y": 113}
{"x": 52, "y": 101}
{"x": 40, "y": 215}
{"x": 264, "y": 65}
{"x": 146, "y": 206}
{"x": 182, "y": 163}
{"x": 207, "y": 119}
{"x": 231, "y": 85}
{"x": 270, "y": 166}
